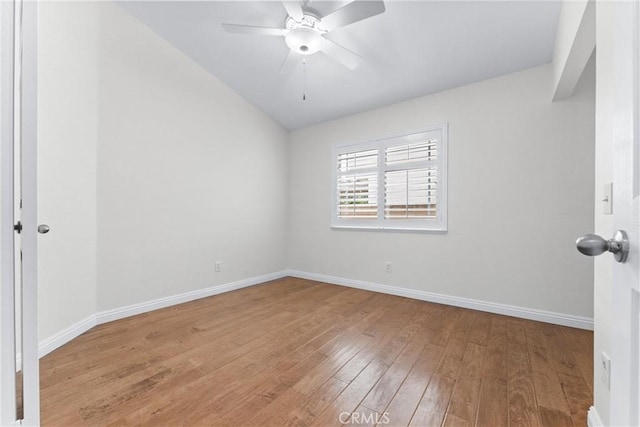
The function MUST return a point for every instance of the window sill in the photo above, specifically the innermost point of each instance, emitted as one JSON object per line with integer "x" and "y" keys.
{"x": 390, "y": 229}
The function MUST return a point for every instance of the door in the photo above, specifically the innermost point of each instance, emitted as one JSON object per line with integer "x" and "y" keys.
{"x": 19, "y": 371}
{"x": 624, "y": 137}
{"x": 625, "y": 334}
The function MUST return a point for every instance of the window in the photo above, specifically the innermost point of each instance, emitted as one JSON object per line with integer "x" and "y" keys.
{"x": 397, "y": 182}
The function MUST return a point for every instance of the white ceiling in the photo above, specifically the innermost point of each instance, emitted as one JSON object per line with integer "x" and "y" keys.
{"x": 413, "y": 49}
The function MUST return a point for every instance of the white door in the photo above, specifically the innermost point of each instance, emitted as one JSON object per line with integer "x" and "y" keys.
{"x": 625, "y": 359}
{"x": 19, "y": 394}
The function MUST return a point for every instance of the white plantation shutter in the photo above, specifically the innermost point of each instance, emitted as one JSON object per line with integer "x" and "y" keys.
{"x": 411, "y": 187}
{"x": 410, "y": 193}
{"x": 392, "y": 183}
{"x": 358, "y": 195}
{"x": 427, "y": 150}
{"x": 359, "y": 160}
{"x": 358, "y": 184}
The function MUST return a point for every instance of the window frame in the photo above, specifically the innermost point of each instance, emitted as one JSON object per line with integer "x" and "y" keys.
{"x": 379, "y": 223}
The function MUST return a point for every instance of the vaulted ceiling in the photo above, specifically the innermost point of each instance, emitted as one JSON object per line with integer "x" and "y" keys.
{"x": 414, "y": 48}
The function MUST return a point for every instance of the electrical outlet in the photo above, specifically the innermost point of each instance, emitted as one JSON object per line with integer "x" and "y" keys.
{"x": 218, "y": 266}
{"x": 605, "y": 369}
{"x": 388, "y": 267}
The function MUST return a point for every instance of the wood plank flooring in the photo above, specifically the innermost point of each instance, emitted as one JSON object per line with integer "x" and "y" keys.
{"x": 294, "y": 352}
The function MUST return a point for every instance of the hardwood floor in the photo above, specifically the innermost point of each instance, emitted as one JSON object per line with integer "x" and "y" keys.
{"x": 296, "y": 352}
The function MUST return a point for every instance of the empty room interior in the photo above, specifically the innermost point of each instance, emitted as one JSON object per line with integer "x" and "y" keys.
{"x": 326, "y": 213}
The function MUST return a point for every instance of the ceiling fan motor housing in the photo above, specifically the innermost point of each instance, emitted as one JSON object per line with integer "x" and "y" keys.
{"x": 304, "y": 37}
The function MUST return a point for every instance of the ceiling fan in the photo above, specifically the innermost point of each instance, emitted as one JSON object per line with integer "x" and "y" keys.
{"x": 305, "y": 31}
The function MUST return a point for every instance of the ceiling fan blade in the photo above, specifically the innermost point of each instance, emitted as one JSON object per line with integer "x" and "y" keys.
{"x": 250, "y": 29}
{"x": 341, "y": 54}
{"x": 294, "y": 9}
{"x": 350, "y": 13}
{"x": 290, "y": 63}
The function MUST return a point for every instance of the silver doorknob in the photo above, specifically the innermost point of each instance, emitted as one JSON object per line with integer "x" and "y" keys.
{"x": 43, "y": 229}
{"x": 593, "y": 245}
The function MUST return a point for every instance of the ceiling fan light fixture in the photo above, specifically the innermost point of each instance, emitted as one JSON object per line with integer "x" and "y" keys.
{"x": 304, "y": 30}
{"x": 305, "y": 41}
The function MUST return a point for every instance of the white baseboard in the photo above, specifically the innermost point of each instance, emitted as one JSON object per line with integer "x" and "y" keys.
{"x": 593, "y": 419}
{"x": 59, "y": 339}
{"x": 491, "y": 307}
{"x": 132, "y": 310}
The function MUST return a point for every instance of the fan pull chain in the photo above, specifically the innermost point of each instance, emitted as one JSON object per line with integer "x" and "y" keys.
{"x": 304, "y": 72}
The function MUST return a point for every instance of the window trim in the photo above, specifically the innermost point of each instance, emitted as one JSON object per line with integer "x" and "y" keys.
{"x": 437, "y": 225}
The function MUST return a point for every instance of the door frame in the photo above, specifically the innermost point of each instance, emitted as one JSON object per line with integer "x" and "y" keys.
{"x": 7, "y": 240}
{"x": 29, "y": 217}
{"x": 18, "y": 28}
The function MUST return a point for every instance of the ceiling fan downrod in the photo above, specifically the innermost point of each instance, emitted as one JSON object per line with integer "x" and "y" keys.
{"x": 304, "y": 79}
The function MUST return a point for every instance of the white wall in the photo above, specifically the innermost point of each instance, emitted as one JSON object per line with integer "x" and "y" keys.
{"x": 603, "y": 266}
{"x": 517, "y": 198}
{"x": 157, "y": 207}
{"x": 67, "y": 126}
{"x": 571, "y": 15}
{"x": 150, "y": 169}
{"x": 188, "y": 173}
{"x": 575, "y": 41}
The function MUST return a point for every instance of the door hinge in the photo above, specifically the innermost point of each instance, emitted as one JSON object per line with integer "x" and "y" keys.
{"x": 18, "y": 227}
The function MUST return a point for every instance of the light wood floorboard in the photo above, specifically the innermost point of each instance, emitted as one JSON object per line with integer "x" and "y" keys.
{"x": 294, "y": 352}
